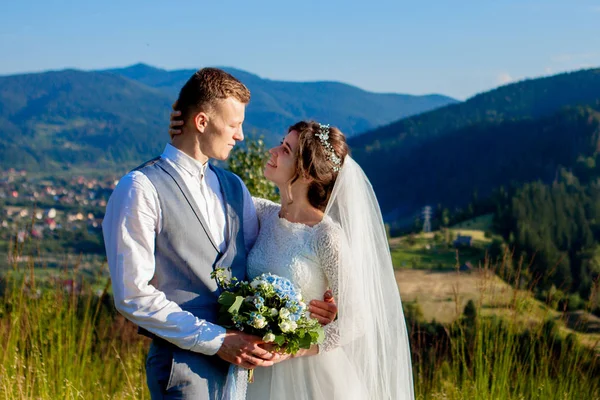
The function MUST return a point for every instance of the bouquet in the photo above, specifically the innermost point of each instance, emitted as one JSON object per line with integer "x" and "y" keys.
{"x": 269, "y": 307}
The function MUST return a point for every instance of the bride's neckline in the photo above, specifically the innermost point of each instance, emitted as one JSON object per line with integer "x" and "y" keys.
{"x": 299, "y": 224}
{"x": 292, "y": 224}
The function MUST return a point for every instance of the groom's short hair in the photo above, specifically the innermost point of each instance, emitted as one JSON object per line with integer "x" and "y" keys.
{"x": 207, "y": 86}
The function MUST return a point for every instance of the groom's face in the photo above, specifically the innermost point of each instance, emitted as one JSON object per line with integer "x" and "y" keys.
{"x": 223, "y": 128}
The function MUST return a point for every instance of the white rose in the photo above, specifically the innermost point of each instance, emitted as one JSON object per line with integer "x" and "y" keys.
{"x": 269, "y": 337}
{"x": 255, "y": 284}
{"x": 259, "y": 322}
{"x": 274, "y": 312}
{"x": 284, "y": 313}
{"x": 288, "y": 326}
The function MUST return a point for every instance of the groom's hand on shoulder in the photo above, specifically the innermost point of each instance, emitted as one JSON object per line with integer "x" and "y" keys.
{"x": 324, "y": 311}
{"x": 242, "y": 349}
{"x": 175, "y": 122}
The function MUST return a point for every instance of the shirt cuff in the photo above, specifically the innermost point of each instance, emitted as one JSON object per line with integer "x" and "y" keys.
{"x": 210, "y": 340}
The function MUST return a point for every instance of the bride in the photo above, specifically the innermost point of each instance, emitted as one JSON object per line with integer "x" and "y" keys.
{"x": 328, "y": 232}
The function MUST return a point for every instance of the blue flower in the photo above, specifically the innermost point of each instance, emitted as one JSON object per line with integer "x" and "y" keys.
{"x": 258, "y": 301}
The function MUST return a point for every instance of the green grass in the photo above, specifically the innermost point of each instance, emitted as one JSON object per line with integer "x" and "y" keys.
{"x": 59, "y": 345}
{"x": 481, "y": 223}
{"x": 495, "y": 359}
{"x": 434, "y": 250}
{"x": 426, "y": 254}
{"x": 422, "y": 259}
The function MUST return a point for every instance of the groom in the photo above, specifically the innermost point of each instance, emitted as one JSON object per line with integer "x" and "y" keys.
{"x": 168, "y": 225}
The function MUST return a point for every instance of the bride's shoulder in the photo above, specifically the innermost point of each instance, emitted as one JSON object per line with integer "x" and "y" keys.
{"x": 264, "y": 206}
{"x": 328, "y": 234}
{"x": 328, "y": 227}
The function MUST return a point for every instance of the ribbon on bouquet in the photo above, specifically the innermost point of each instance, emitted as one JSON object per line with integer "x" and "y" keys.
{"x": 236, "y": 383}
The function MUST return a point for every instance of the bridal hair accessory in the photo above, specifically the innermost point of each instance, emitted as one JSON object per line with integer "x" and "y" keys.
{"x": 323, "y": 135}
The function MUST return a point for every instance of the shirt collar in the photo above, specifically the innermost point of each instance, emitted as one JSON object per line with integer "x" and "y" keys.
{"x": 185, "y": 162}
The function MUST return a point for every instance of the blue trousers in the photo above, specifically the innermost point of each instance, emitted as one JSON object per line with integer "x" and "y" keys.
{"x": 175, "y": 373}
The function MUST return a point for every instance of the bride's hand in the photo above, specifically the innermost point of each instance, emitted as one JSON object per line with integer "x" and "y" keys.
{"x": 324, "y": 311}
{"x": 175, "y": 122}
{"x": 272, "y": 348}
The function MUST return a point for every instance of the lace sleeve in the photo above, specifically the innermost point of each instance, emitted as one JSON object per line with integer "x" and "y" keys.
{"x": 327, "y": 242}
{"x": 264, "y": 207}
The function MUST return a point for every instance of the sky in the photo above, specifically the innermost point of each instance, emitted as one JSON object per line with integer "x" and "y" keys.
{"x": 457, "y": 48}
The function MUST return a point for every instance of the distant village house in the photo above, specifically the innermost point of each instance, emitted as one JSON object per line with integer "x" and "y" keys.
{"x": 463, "y": 241}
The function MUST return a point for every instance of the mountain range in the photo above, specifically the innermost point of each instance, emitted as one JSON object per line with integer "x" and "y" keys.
{"x": 513, "y": 134}
{"x": 60, "y": 119}
{"x": 275, "y": 105}
{"x": 416, "y": 150}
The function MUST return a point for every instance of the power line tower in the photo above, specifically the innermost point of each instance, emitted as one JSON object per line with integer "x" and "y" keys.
{"x": 427, "y": 219}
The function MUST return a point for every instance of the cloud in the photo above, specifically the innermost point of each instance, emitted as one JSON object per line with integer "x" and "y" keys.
{"x": 504, "y": 78}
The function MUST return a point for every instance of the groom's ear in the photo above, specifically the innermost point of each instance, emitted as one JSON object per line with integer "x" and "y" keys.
{"x": 201, "y": 121}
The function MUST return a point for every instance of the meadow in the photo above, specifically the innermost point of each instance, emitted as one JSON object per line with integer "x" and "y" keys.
{"x": 62, "y": 342}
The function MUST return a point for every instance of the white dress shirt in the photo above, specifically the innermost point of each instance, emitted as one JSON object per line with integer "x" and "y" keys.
{"x": 133, "y": 219}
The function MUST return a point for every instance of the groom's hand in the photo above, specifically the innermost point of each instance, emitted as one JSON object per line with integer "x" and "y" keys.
{"x": 242, "y": 349}
{"x": 324, "y": 311}
{"x": 175, "y": 122}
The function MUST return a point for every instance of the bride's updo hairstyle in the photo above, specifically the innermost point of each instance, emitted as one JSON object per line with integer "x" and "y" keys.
{"x": 321, "y": 153}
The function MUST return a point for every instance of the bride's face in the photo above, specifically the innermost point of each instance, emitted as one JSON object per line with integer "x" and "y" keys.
{"x": 281, "y": 168}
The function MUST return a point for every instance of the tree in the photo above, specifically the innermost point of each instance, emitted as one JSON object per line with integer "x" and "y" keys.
{"x": 445, "y": 217}
{"x": 418, "y": 225}
{"x": 248, "y": 162}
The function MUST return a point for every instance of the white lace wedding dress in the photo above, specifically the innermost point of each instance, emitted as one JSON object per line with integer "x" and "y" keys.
{"x": 309, "y": 257}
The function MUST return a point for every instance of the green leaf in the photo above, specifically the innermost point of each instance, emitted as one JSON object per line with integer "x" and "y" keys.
{"x": 227, "y": 299}
{"x": 321, "y": 335}
{"x": 305, "y": 342}
{"x": 236, "y": 305}
{"x": 280, "y": 340}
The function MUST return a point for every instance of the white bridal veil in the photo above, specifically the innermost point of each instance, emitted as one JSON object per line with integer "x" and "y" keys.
{"x": 372, "y": 328}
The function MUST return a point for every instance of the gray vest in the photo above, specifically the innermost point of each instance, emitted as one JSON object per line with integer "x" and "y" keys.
{"x": 185, "y": 252}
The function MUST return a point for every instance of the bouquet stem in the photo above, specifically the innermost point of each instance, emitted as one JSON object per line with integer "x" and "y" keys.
{"x": 251, "y": 375}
